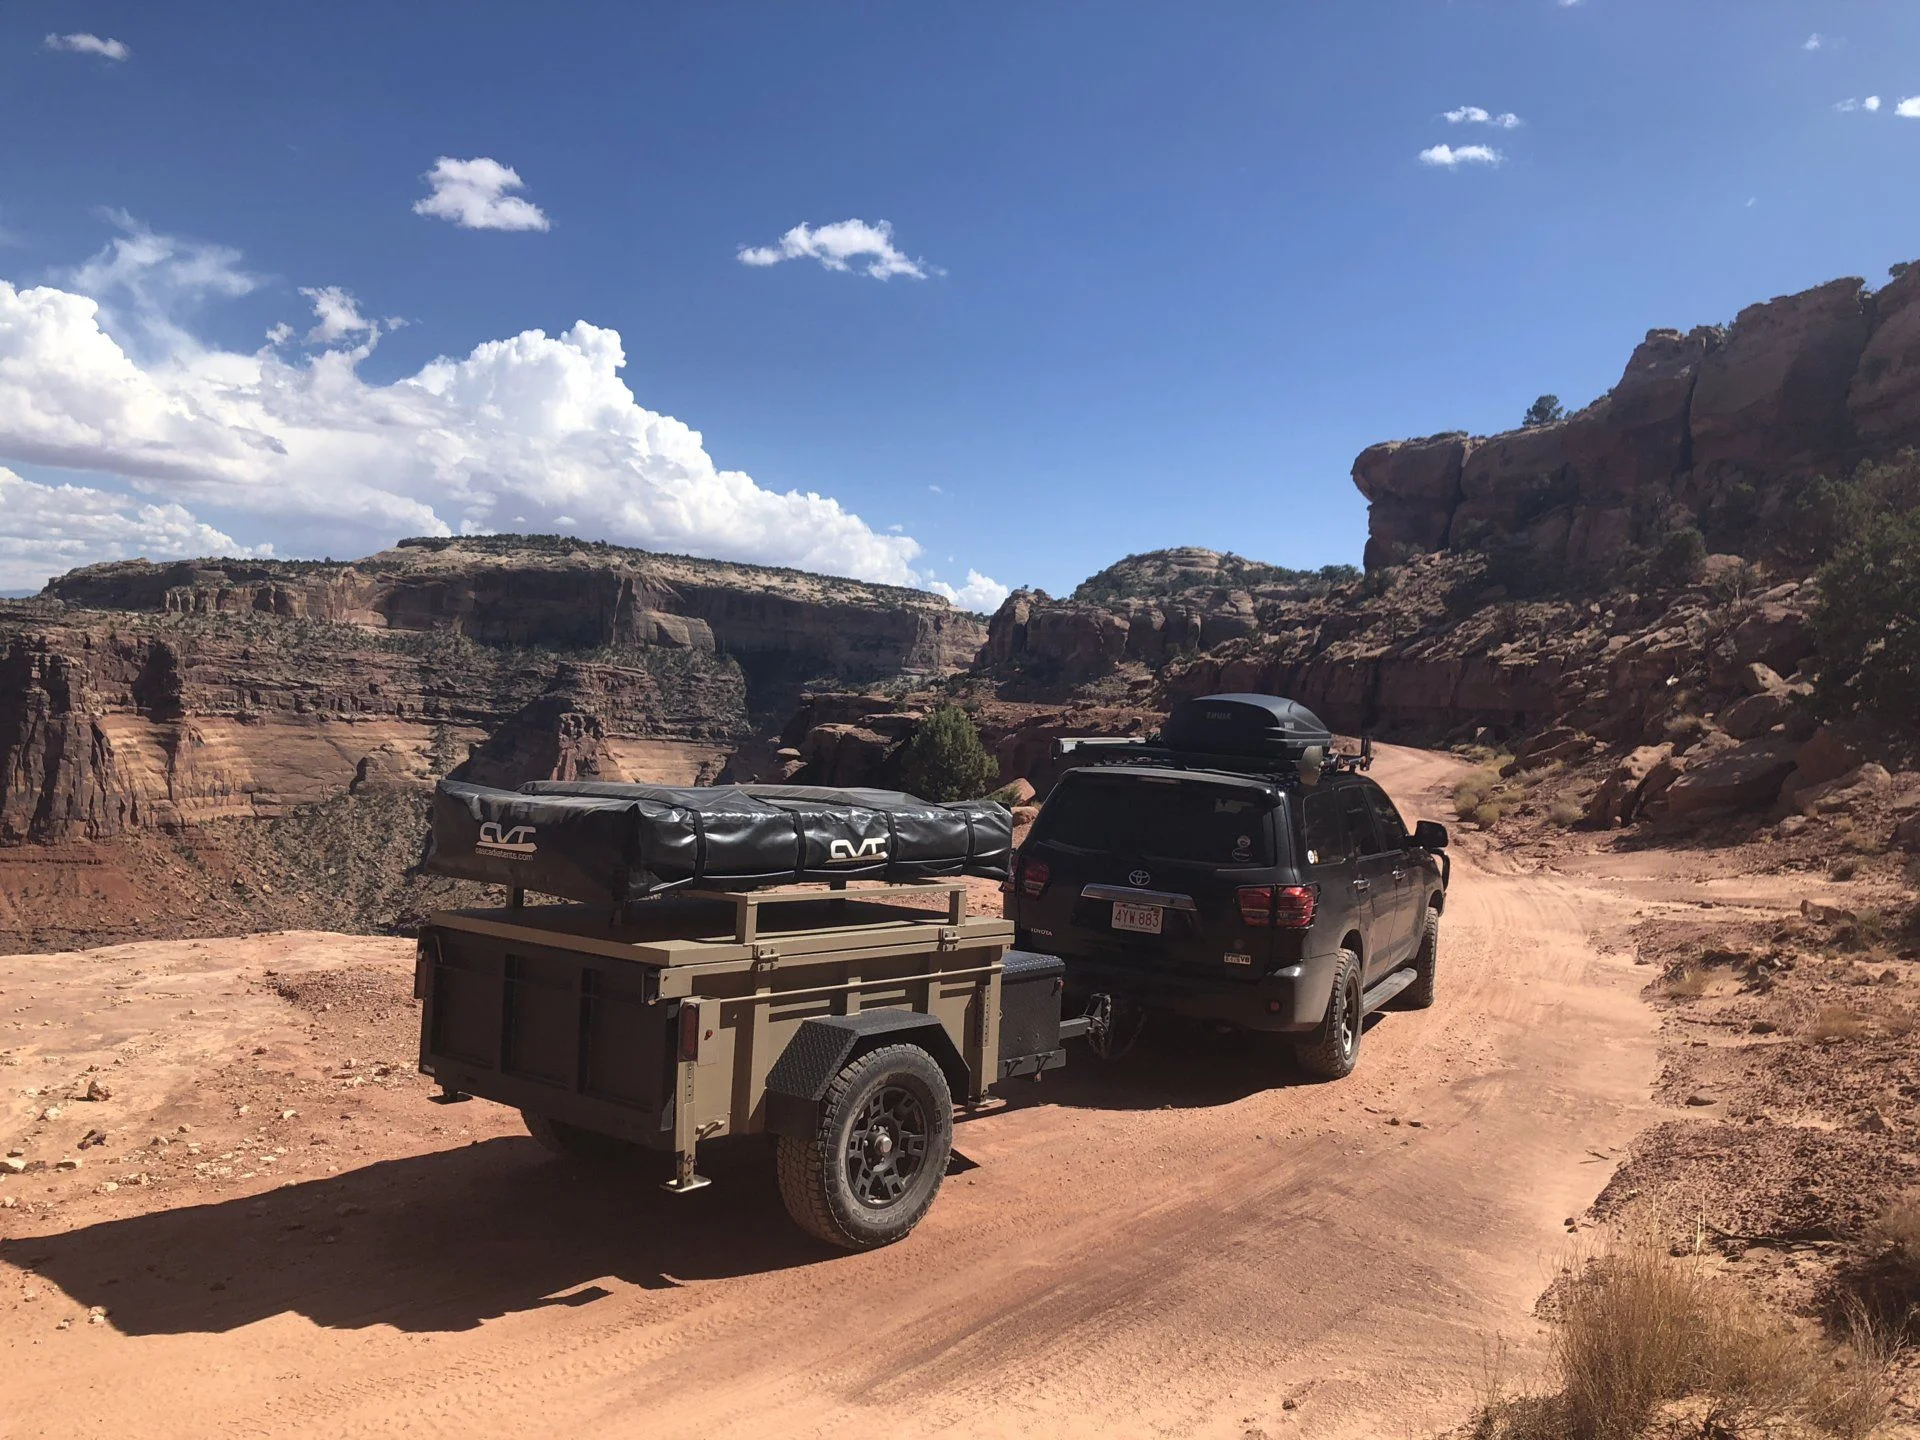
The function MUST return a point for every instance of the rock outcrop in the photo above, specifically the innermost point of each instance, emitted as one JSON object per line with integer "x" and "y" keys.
{"x": 1714, "y": 427}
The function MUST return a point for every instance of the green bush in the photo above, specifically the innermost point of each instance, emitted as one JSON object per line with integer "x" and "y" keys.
{"x": 1867, "y": 623}
{"x": 1680, "y": 560}
{"x": 945, "y": 759}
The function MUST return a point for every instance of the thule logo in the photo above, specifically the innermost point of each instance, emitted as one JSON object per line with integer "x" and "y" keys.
{"x": 515, "y": 843}
{"x": 845, "y": 850}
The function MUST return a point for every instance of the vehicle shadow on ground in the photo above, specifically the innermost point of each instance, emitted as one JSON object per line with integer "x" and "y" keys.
{"x": 432, "y": 1242}
{"x": 1175, "y": 1065}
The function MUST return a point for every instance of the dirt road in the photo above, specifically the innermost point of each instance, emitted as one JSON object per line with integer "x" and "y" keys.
{"x": 1194, "y": 1243}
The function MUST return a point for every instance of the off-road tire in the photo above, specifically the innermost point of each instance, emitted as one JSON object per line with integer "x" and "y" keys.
{"x": 829, "y": 1179}
{"x": 570, "y": 1142}
{"x": 1333, "y": 1050}
{"x": 1419, "y": 995}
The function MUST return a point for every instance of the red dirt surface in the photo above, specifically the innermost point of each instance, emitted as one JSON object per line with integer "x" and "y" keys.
{"x": 1193, "y": 1242}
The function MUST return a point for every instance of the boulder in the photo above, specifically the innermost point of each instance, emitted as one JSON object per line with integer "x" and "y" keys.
{"x": 1018, "y": 792}
{"x": 1752, "y": 716}
{"x": 1758, "y": 679}
{"x": 1736, "y": 779}
{"x": 1024, "y": 815}
{"x": 1831, "y": 797}
{"x": 1907, "y": 833}
{"x": 1776, "y": 636}
{"x": 1825, "y": 757}
{"x": 1618, "y": 797}
{"x": 1884, "y": 401}
{"x": 1562, "y": 742}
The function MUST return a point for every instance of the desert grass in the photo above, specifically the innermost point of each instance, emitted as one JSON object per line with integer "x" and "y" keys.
{"x": 1835, "y": 1022}
{"x": 1643, "y": 1337}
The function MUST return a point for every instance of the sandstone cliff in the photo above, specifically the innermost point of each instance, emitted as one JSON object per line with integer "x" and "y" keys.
{"x": 1714, "y": 427}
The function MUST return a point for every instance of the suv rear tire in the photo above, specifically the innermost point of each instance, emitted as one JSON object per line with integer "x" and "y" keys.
{"x": 876, "y": 1158}
{"x": 1334, "y": 1049}
{"x": 1419, "y": 995}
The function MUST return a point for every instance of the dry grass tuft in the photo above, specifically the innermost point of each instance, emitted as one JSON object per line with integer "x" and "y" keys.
{"x": 1834, "y": 1022}
{"x": 1899, "y": 1232}
{"x": 1641, "y": 1335}
{"x": 1686, "y": 982}
{"x": 1564, "y": 812}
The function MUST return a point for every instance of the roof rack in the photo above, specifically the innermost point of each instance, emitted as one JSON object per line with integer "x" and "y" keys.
{"x": 1153, "y": 751}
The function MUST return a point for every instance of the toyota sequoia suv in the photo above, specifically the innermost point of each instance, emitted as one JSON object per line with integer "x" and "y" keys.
{"x": 1233, "y": 869}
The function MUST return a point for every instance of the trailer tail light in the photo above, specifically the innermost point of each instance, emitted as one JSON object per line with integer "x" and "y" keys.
{"x": 1281, "y": 907}
{"x": 689, "y": 1033}
{"x": 1034, "y": 875}
{"x": 423, "y": 957}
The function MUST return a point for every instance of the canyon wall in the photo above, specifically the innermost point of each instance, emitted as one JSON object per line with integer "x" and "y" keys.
{"x": 1713, "y": 427}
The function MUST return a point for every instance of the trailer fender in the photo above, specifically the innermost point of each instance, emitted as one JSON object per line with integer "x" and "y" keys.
{"x": 825, "y": 1045}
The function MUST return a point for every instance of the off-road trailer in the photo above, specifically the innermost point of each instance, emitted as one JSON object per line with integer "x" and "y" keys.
{"x": 843, "y": 1023}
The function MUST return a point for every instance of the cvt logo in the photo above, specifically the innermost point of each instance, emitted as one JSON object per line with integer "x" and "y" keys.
{"x": 515, "y": 842}
{"x": 870, "y": 849}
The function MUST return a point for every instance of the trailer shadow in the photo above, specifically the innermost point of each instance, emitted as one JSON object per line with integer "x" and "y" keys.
{"x": 1175, "y": 1065}
{"x": 435, "y": 1242}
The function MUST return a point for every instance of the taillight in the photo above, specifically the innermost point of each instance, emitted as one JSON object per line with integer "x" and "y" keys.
{"x": 1284, "y": 907}
{"x": 689, "y": 1033}
{"x": 1034, "y": 875}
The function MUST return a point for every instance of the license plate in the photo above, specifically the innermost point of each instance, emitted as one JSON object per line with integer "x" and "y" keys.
{"x": 1143, "y": 918}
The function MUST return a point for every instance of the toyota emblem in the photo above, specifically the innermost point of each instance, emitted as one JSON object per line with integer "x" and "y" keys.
{"x": 1139, "y": 877}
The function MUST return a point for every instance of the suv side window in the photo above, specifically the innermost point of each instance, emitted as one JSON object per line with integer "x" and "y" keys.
{"x": 1360, "y": 820}
{"x": 1393, "y": 830}
{"x": 1323, "y": 829}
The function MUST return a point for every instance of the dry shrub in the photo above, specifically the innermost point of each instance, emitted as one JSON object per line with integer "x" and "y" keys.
{"x": 1475, "y": 792}
{"x": 1844, "y": 869}
{"x": 1564, "y": 812}
{"x": 1834, "y": 1022}
{"x": 1899, "y": 1232}
{"x": 1639, "y": 1331}
{"x": 1686, "y": 982}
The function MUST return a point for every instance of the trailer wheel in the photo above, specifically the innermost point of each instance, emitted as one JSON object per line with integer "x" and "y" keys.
{"x": 877, "y": 1156}
{"x": 572, "y": 1143}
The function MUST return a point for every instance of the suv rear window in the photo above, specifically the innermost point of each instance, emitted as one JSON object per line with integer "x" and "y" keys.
{"x": 1161, "y": 820}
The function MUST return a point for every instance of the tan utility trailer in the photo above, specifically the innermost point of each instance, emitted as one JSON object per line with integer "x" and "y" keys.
{"x": 846, "y": 1024}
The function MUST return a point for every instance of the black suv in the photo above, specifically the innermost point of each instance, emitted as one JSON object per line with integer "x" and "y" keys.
{"x": 1234, "y": 869}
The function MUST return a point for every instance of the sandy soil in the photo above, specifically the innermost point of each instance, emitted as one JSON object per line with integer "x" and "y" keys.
{"x": 279, "y": 1234}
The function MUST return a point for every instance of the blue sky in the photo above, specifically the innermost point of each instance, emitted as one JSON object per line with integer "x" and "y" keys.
{"x": 1176, "y": 265}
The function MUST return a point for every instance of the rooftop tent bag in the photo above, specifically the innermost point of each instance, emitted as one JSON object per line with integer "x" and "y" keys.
{"x": 1263, "y": 727}
{"x": 609, "y": 842}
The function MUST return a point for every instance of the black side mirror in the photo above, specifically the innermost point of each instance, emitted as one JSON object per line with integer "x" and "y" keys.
{"x": 1430, "y": 835}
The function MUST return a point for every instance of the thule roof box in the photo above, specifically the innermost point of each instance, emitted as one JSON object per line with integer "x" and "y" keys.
{"x": 1248, "y": 734}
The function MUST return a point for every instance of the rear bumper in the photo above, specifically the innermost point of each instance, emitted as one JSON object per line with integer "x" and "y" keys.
{"x": 1290, "y": 1001}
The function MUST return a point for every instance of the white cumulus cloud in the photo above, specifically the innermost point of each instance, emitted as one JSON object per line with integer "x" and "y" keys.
{"x": 473, "y": 195}
{"x": 535, "y": 431}
{"x": 981, "y": 593}
{"x": 1475, "y": 115}
{"x": 82, "y": 43}
{"x": 1816, "y": 41}
{"x": 1847, "y": 107}
{"x": 48, "y": 529}
{"x": 1872, "y": 102}
{"x": 838, "y": 246}
{"x": 338, "y": 314}
{"x": 1451, "y": 157}
{"x": 1909, "y": 108}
